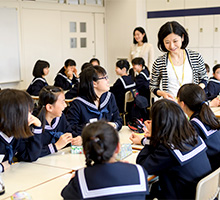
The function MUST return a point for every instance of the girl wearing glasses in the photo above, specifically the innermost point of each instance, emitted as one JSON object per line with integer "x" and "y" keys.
{"x": 94, "y": 102}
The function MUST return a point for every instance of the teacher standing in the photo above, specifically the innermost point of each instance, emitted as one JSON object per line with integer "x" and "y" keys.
{"x": 178, "y": 65}
{"x": 141, "y": 47}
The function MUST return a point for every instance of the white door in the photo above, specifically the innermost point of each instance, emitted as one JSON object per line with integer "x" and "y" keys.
{"x": 77, "y": 37}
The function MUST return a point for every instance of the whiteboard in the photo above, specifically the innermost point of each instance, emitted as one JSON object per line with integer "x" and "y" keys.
{"x": 9, "y": 46}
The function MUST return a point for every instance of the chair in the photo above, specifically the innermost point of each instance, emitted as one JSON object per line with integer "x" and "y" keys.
{"x": 35, "y": 99}
{"x": 208, "y": 188}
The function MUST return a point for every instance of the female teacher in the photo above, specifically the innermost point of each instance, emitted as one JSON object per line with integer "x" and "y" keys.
{"x": 141, "y": 47}
{"x": 178, "y": 65}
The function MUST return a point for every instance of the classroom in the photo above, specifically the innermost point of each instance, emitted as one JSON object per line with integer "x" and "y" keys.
{"x": 65, "y": 33}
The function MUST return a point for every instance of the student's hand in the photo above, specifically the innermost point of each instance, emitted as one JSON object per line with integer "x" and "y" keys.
{"x": 33, "y": 120}
{"x": 214, "y": 102}
{"x": 69, "y": 73}
{"x": 166, "y": 95}
{"x": 136, "y": 139}
{"x": 77, "y": 141}
{"x": 112, "y": 124}
{"x": 148, "y": 124}
{"x": 64, "y": 139}
{"x": 75, "y": 72}
{"x": 6, "y": 165}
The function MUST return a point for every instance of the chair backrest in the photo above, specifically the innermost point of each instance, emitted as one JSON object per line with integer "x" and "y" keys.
{"x": 128, "y": 98}
{"x": 209, "y": 187}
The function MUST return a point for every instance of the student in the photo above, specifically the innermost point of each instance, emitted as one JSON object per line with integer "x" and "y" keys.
{"x": 41, "y": 69}
{"x": 94, "y": 102}
{"x": 20, "y": 131}
{"x": 57, "y": 132}
{"x": 213, "y": 86}
{"x": 122, "y": 84}
{"x": 104, "y": 178}
{"x": 142, "y": 79}
{"x": 207, "y": 69}
{"x": 67, "y": 76}
{"x": 94, "y": 61}
{"x": 191, "y": 99}
{"x": 174, "y": 152}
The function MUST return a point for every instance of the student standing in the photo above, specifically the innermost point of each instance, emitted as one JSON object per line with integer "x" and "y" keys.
{"x": 57, "y": 132}
{"x": 67, "y": 76}
{"x": 104, "y": 178}
{"x": 41, "y": 69}
{"x": 94, "y": 102}
{"x": 122, "y": 84}
{"x": 192, "y": 98}
{"x": 174, "y": 151}
{"x": 20, "y": 131}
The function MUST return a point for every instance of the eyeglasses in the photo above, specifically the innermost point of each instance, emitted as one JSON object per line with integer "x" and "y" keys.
{"x": 104, "y": 77}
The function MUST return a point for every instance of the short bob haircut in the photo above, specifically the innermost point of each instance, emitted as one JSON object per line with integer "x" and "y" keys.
{"x": 87, "y": 76}
{"x": 168, "y": 28}
{"x": 123, "y": 64}
{"x": 141, "y": 30}
{"x": 69, "y": 62}
{"x": 14, "y": 108}
{"x": 39, "y": 67}
{"x": 170, "y": 126}
{"x": 99, "y": 142}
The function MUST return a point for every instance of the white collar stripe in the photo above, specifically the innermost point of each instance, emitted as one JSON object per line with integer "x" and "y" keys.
{"x": 6, "y": 138}
{"x": 207, "y": 133}
{"x": 86, "y": 193}
{"x": 191, "y": 154}
{"x": 50, "y": 146}
{"x": 38, "y": 79}
{"x": 145, "y": 76}
{"x": 65, "y": 77}
{"x": 86, "y": 102}
{"x": 106, "y": 100}
{"x": 54, "y": 125}
{"x": 127, "y": 86}
{"x": 37, "y": 131}
{"x": 213, "y": 80}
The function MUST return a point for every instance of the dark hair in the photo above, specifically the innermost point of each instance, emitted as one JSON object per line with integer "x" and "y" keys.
{"x": 47, "y": 95}
{"x": 95, "y": 60}
{"x": 141, "y": 30}
{"x": 171, "y": 127}
{"x": 87, "y": 76}
{"x": 123, "y": 64}
{"x": 216, "y": 67}
{"x": 38, "y": 68}
{"x": 194, "y": 97}
{"x": 139, "y": 61}
{"x": 168, "y": 28}
{"x": 99, "y": 142}
{"x": 14, "y": 108}
{"x": 85, "y": 65}
{"x": 207, "y": 67}
{"x": 69, "y": 62}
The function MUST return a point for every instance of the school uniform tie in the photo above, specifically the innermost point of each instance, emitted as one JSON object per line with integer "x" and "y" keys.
{"x": 55, "y": 135}
{"x": 100, "y": 113}
{"x": 10, "y": 153}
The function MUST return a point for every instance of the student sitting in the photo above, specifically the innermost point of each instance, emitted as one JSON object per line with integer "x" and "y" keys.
{"x": 20, "y": 131}
{"x": 104, "y": 178}
{"x": 67, "y": 76}
{"x": 174, "y": 151}
{"x": 41, "y": 69}
{"x": 142, "y": 79}
{"x": 191, "y": 99}
{"x": 213, "y": 86}
{"x": 123, "y": 84}
{"x": 94, "y": 102}
{"x": 95, "y": 62}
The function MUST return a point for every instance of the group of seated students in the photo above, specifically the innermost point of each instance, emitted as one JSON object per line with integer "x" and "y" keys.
{"x": 178, "y": 150}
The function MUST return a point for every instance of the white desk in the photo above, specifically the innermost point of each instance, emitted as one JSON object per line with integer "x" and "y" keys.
{"x": 22, "y": 176}
{"x": 216, "y": 111}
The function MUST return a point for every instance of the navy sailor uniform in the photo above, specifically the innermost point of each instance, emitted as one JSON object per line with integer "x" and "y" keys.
{"x": 36, "y": 85}
{"x": 211, "y": 139}
{"x": 51, "y": 134}
{"x": 120, "y": 87}
{"x": 213, "y": 88}
{"x": 142, "y": 84}
{"x": 23, "y": 149}
{"x": 179, "y": 172}
{"x": 108, "y": 181}
{"x": 62, "y": 81}
{"x": 82, "y": 112}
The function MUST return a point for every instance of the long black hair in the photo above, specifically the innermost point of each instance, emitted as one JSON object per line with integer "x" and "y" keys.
{"x": 171, "y": 127}
{"x": 99, "y": 142}
{"x": 194, "y": 97}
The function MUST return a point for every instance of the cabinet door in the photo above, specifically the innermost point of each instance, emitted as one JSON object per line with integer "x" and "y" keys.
{"x": 207, "y": 54}
{"x": 156, "y": 5}
{"x": 216, "y": 52}
{"x": 216, "y": 30}
{"x": 206, "y": 31}
{"x": 192, "y": 27}
{"x": 195, "y": 3}
{"x": 212, "y": 3}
